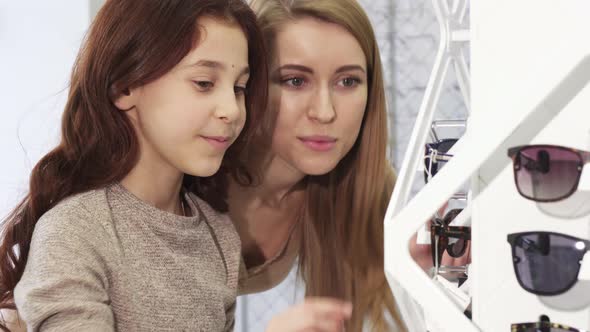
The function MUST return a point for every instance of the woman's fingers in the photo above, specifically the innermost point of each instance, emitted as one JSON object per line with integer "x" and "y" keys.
{"x": 325, "y": 314}
{"x": 421, "y": 253}
{"x": 314, "y": 314}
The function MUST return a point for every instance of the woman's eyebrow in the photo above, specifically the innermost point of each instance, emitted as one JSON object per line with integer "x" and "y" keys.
{"x": 349, "y": 68}
{"x": 309, "y": 70}
{"x": 296, "y": 67}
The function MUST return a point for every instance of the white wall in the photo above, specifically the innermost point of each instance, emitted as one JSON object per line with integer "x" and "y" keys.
{"x": 38, "y": 43}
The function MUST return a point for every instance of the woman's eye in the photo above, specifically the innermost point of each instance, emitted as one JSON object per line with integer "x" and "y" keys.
{"x": 295, "y": 82}
{"x": 350, "y": 82}
{"x": 204, "y": 85}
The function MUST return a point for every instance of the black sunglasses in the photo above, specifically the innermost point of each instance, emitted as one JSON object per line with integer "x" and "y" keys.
{"x": 543, "y": 325}
{"x": 547, "y": 263}
{"x": 434, "y": 154}
{"x": 441, "y": 233}
{"x": 547, "y": 173}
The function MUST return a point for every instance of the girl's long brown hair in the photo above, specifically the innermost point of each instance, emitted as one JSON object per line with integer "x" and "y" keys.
{"x": 130, "y": 43}
{"x": 342, "y": 244}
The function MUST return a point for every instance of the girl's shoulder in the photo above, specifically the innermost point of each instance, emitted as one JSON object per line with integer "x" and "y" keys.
{"x": 225, "y": 236}
{"x": 219, "y": 222}
{"x": 87, "y": 201}
{"x": 207, "y": 211}
{"x": 77, "y": 214}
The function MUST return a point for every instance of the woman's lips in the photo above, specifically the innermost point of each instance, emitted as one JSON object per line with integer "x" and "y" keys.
{"x": 319, "y": 143}
{"x": 218, "y": 142}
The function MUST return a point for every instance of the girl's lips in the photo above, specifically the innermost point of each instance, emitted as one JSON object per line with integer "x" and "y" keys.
{"x": 218, "y": 142}
{"x": 319, "y": 143}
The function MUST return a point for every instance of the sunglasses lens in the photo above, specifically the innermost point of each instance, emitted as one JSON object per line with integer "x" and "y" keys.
{"x": 445, "y": 145}
{"x": 457, "y": 249}
{"x": 451, "y": 215}
{"x": 546, "y": 173}
{"x": 547, "y": 263}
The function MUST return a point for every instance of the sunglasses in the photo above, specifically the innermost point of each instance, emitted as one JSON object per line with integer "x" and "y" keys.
{"x": 434, "y": 153}
{"x": 547, "y": 173}
{"x": 543, "y": 325}
{"x": 547, "y": 263}
{"x": 441, "y": 234}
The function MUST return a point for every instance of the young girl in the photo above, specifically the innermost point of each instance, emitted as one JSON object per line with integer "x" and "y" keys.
{"x": 111, "y": 235}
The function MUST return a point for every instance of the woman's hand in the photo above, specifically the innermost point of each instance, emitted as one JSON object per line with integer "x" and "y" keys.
{"x": 317, "y": 314}
{"x": 12, "y": 320}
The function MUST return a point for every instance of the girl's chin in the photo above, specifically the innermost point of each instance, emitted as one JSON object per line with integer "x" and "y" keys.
{"x": 203, "y": 169}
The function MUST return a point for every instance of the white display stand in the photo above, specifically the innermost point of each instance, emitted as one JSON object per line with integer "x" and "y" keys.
{"x": 520, "y": 51}
{"x": 530, "y": 70}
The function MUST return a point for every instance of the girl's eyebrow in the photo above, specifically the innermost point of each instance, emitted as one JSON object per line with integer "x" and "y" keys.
{"x": 217, "y": 65}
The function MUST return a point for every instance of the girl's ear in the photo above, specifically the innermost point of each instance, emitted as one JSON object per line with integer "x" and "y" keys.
{"x": 126, "y": 100}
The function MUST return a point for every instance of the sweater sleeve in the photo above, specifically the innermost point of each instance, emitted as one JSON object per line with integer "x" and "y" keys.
{"x": 65, "y": 283}
{"x": 231, "y": 318}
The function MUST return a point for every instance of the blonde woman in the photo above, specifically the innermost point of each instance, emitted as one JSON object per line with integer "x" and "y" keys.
{"x": 325, "y": 181}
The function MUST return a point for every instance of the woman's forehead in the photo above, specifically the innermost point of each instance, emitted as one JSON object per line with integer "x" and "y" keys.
{"x": 314, "y": 41}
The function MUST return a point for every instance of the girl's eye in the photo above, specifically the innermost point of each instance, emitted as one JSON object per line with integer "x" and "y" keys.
{"x": 295, "y": 82}
{"x": 349, "y": 82}
{"x": 204, "y": 85}
{"x": 240, "y": 90}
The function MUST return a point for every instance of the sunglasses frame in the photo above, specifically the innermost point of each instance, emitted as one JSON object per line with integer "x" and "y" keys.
{"x": 540, "y": 326}
{"x": 432, "y": 149}
{"x": 512, "y": 240}
{"x": 583, "y": 156}
{"x": 440, "y": 227}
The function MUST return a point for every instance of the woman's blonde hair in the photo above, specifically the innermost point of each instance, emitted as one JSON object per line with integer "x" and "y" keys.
{"x": 342, "y": 244}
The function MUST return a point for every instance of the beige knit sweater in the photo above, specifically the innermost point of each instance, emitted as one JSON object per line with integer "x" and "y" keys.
{"x": 106, "y": 261}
